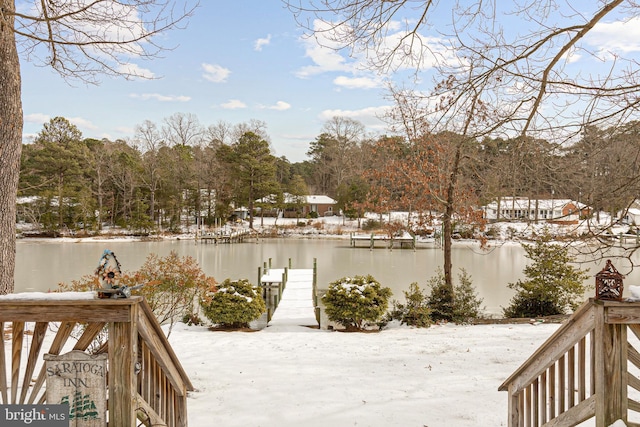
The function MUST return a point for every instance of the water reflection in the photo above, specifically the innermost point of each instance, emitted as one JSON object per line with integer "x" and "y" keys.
{"x": 41, "y": 265}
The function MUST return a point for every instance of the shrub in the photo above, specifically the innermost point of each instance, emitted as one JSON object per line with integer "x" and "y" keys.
{"x": 467, "y": 305}
{"x": 460, "y": 307}
{"x": 356, "y": 302}
{"x": 552, "y": 286}
{"x": 415, "y": 312}
{"x": 370, "y": 224}
{"x": 172, "y": 286}
{"x": 234, "y": 304}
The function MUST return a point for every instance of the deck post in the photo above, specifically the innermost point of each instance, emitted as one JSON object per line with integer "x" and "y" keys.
{"x": 611, "y": 370}
{"x": 314, "y": 284}
{"x": 123, "y": 354}
{"x": 514, "y": 406}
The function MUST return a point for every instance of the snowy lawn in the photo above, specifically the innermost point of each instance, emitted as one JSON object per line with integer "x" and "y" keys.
{"x": 443, "y": 376}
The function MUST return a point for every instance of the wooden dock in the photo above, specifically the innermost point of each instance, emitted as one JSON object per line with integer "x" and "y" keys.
{"x": 291, "y": 297}
{"x": 405, "y": 240}
{"x": 225, "y": 235}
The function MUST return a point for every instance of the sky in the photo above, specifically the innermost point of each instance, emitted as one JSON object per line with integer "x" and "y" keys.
{"x": 236, "y": 61}
{"x": 248, "y": 60}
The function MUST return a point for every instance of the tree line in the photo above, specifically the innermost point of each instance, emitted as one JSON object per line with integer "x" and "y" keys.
{"x": 178, "y": 172}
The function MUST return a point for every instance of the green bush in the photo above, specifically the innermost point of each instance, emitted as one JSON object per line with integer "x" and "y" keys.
{"x": 233, "y": 304}
{"x": 459, "y": 307}
{"x": 415, "y": 312}
{"x": 356, "y": 302}
{"x": 552, "y": 286}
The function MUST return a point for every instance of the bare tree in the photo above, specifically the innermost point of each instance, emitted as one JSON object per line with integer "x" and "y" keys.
{"x": 219, "y": 133}
{"x": 148, "y": 140}
{"x": 182, "y": 129}
{"x": 80, "y": 40}
{"x": 514, "y": 70}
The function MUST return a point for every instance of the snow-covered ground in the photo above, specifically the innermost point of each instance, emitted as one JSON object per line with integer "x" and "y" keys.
{"x": 443, "y": 376}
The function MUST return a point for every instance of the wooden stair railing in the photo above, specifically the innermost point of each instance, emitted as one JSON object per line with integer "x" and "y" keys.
{"x": 581, "y": 371}
{"x": 146, "y": 381}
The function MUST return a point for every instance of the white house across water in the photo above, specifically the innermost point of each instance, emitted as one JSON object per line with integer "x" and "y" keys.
{"x": 564, "y": 211}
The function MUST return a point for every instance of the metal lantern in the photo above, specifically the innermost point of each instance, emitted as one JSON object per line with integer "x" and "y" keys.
{"x": 609, "y": 283}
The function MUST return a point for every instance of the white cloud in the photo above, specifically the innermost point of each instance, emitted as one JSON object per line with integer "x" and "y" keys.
{"x": 325, "y": 60}
{"x": 322, "y": 53}
{"x": 82, "y": 123}
{"x": 369, "y": 116}
{"x": 616, "y": 37}
{"x": 159, "y": 97}
{"x": 135, "y": 71}
{"x": 125, "y": 130}
{"x": 37, "y": 118}
{"x": 40, "y": 118}
{"x": 262, "y": 42}
{"x": 356, "y": 82}
{"x": 279, "y": 106}
{"x": 233, "y": 104}
{"x": 215, "y": 73}
{"x": 327, "y": 56}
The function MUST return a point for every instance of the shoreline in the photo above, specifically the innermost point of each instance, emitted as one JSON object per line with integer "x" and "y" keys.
{"x": 420, "y": 243}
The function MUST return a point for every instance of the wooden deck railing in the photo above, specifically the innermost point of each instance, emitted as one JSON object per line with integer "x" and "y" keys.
{"x": 581, "y": 372}
{"x": 145, "y": 379}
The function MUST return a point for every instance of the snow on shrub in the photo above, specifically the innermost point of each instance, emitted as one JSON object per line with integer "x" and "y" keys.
{"x": 233, "y": 304}
{"x": 356, "y": 302}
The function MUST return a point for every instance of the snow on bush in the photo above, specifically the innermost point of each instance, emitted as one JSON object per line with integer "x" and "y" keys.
{"x": 356, "y": 302}
{"x": 233, "y": 304}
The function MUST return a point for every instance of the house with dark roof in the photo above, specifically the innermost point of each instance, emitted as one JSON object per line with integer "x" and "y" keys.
{"x": 300, "y": 206}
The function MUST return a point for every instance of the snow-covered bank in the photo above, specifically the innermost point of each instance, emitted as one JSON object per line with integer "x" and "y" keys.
{"x": 441, "y": 376}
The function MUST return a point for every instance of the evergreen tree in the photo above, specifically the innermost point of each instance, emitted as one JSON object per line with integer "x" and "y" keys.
{"x": 553, "y": 285}
{"x": 57, "y": 165}
{"x": 252, "y": 167}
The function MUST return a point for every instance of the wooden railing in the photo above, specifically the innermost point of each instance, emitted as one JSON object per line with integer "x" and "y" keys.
{"x": 581, "y": 372}
{"x": 145, "y": 379}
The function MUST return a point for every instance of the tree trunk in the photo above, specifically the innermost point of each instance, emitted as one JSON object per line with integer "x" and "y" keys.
{"x": 447, "y": 220}
{"x": 10, "y": 144}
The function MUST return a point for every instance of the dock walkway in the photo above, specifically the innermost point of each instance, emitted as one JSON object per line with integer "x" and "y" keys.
{"x": 225, "y": 235}
{"x": 296, "y": 306}
{"x": 369, "y": 240}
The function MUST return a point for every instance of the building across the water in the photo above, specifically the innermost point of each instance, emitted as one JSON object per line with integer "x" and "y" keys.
{"x": 564, "y": 211}
{"x": 298, "y": 206}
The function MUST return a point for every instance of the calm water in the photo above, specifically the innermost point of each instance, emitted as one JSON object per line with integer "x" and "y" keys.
{"x": 41, "y": 265}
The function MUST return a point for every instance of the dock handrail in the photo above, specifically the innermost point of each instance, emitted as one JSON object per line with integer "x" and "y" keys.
{"x": 580, "y": 372}
{"x": 146, "y": 381}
